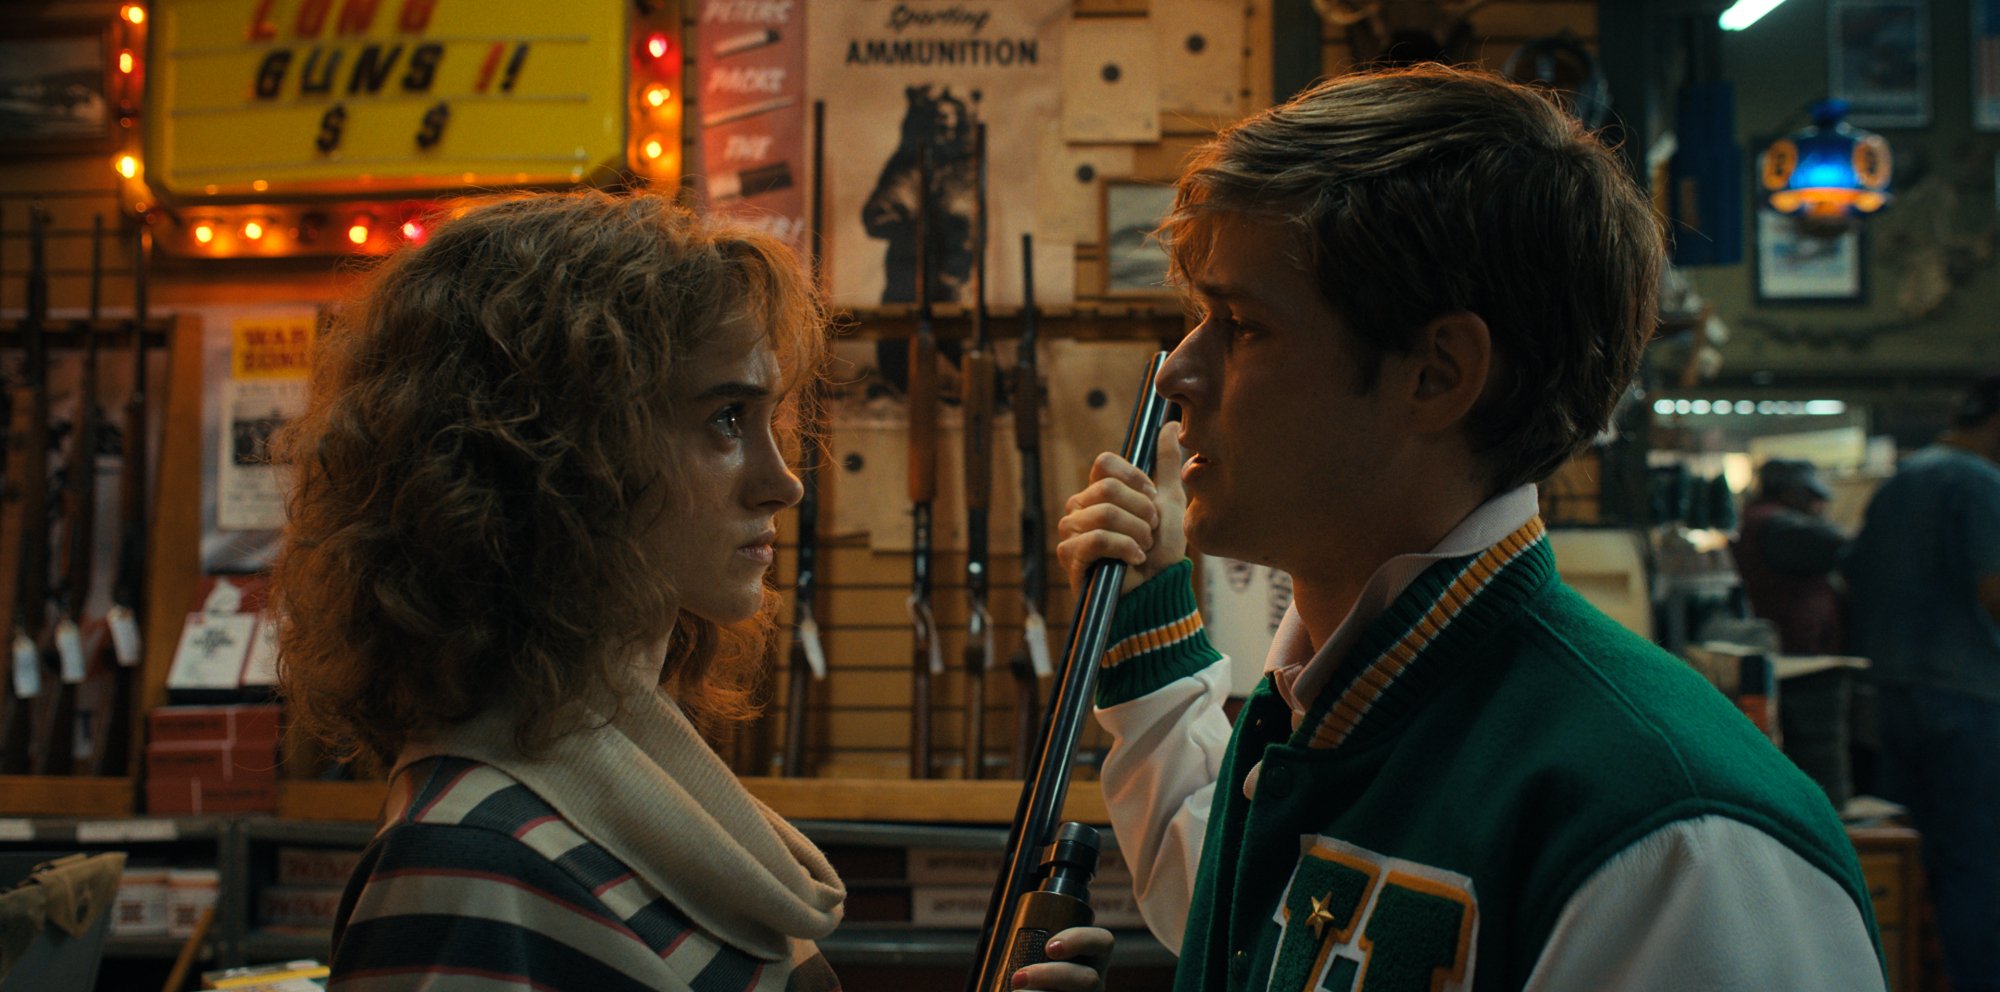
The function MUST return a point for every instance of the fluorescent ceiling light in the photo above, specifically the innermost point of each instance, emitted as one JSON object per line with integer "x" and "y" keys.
{"x": 1744, "y": 13}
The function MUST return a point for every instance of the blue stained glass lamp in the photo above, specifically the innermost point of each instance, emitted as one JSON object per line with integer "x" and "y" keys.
{"x": 1829, "y": 172}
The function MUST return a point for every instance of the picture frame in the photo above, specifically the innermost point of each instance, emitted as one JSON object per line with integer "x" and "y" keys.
{"x": 1985, "y": 67}
{"x": 1879, "y": 61}
{"x": 1794, "y": 264}
{"x": 1135, "y": 262}
{"x": 56, "y": 88}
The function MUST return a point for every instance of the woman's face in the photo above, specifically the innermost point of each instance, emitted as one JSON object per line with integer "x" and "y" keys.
{"x": 734, "y": 477}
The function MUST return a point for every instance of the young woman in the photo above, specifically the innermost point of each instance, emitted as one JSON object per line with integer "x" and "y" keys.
{"x": 537, "y": 491}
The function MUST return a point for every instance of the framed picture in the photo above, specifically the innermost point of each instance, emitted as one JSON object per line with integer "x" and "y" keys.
{"x": 1135, "y": 262}
{"x": 1986, "y": 66}
{"x": 1798, "y": 265}
{"x": 55, "y": 81}
{"x": 1879, "y": 61}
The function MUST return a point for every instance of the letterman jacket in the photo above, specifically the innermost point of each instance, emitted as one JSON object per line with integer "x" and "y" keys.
{"x": 1494, "y": 786}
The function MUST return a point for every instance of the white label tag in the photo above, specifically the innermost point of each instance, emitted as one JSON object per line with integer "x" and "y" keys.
{"x": 69, "y": 648}
{"x": 12, "y": 829}
{"x": 125, "y": 831}
{"x": 124, "y": 635}
{"x": 212, "y": 651}
{"x": 1035, "y": 631}
{"x": 27, "y": 668}
{"x": 808, "y": 635}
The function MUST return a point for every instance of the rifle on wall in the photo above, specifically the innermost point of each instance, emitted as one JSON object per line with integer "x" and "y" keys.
{"x": 927, "y": 657}
{"x": 79, "y": 535}
{"x": 978, "y": 371}
{"x": 114, "y": 744}
{"x": 808, "y": 656}
{"x": 1042, "y": 887}
{"x": 31, "y": 585}
{"x": 1030, "y": 662}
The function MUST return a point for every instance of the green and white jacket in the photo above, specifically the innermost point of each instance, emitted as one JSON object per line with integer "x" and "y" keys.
{"x": 1479, "y": 782}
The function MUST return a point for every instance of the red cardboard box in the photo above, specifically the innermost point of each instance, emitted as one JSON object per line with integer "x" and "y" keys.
{"x": 196, "y": 797}
{"x": 212, "y": 761}
{"x": 298, "y": 906}
{"x": 239, "y": 725}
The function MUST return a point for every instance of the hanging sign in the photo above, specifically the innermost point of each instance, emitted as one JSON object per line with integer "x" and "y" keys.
{"x": 271, "y": 98}
{"x": 750, "y": 61}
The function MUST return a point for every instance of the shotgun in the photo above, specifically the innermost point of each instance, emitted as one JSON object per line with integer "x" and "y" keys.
{"x": 128, "y": 584}
{"x": 79, "y": 533}
{"x": 1030, "y": 662}
{"x": 808, "y": 655}
{"x": 31, "y": 594}
{"x": 927, "y": 657}
{"x": 1043, "y": 860}
{"x": 977, "y": 368}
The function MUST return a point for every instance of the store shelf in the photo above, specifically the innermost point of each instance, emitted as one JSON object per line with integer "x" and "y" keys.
{"x": 151, "y": 947}
{"x": 66, "y": 795}
{"x": 263, "y": 945}
{"x": 836, "y": 799}
{"x": 910, "y": 946}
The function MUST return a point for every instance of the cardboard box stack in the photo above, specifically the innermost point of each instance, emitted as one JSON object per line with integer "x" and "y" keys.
{"x": 306, "y": 892}
{"x": 212, "y": 759}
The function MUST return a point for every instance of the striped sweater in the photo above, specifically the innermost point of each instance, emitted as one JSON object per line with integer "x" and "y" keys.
{"x": 475, "y": 883}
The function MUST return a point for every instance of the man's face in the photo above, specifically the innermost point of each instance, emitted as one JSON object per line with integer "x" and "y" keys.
{"x": 1286, "y": 455}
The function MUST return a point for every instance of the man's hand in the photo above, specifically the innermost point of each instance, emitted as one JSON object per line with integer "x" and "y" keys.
{"x": 1126, "y": 516}
{"x": 1077, "y": 959}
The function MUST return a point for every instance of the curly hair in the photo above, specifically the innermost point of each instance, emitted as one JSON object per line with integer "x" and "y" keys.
{"x": 1426, "y": 191}
{"x": 484, "y": 453}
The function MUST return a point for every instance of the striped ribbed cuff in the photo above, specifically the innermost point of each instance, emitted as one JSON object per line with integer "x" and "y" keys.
{"x": 1156, "y": 637}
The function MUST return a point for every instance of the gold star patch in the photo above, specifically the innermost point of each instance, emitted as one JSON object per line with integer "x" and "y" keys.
{"x": 1320, "y": 917}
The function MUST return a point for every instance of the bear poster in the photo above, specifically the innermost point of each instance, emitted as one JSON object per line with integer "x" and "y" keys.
{"x": 939, "y": 68}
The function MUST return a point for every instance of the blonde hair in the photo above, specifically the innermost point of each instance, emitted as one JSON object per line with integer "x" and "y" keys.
{"x": 1426, "y": 191}
{"x": 484, "y": 454}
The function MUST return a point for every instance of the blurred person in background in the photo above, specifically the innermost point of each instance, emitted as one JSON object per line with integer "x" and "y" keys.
{"x": 1925, "y": 579}
{"x": 1788, "y": 553}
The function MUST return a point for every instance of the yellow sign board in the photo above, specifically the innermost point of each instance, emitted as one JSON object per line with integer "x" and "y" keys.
{"x": 271, "y": 98}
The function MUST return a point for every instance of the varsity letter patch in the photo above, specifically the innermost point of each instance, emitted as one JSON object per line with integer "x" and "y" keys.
{"x": 1356, "y": 921}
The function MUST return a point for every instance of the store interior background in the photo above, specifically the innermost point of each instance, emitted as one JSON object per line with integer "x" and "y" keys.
{"x": 1849, "y": 385}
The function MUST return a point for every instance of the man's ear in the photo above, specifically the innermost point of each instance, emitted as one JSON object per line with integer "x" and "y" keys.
{"x": 1453, "y": 361}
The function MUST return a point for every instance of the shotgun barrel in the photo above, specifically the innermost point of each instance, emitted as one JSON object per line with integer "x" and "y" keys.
{"x": 1035, "y": 827}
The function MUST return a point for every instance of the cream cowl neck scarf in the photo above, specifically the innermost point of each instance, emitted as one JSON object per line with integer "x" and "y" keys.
{"x": 648, "y": 789}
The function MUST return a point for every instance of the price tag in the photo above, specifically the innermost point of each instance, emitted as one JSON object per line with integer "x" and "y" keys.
{"x": 69, "y": 648}
{"x": 1035, "y": 631}
{"x": 17, "y": 829}
{"x": 808, "y": 635}
{"x": 126, "y": 831}
{"x": 124, "y": 635}
{"x": 27, "y": 668}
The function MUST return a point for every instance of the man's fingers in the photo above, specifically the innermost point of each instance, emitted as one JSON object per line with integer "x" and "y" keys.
{"x": 1135, "y": 522}
{"x": 1110, "y": 466}
{"x": 1078, "y": 553}
{"x": 1115, "y": 492}
{"x": 1168, "y": 457}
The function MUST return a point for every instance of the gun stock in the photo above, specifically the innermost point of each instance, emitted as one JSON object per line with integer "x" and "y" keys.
{"x": 1035, "y": 818}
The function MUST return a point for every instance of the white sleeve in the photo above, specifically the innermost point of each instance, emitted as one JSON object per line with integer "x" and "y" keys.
{"x": 1166, "y": 752}
{"x": 1714, "y": 904}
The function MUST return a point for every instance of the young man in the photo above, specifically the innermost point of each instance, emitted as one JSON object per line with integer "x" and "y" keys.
{"x": 1422, "y": 291}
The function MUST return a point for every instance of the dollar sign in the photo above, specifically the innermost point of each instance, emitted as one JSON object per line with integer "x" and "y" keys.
{"x": 329, "y": 129}
{"x": 433, "y": 127}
